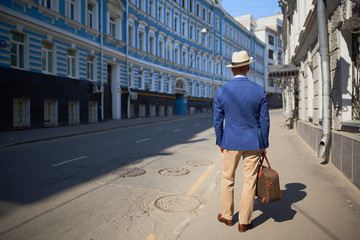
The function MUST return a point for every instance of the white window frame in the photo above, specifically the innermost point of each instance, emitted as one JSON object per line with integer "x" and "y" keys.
{"x": 141, "y": 39}
{"x": 169, "y": 48}
{"x": 48, "y": 58}
{"x": 93, "y": 112}
{"x": 161, "y": 49}
{"x": 54, "y": 4}
{"x": 168, "y": 18}
{"x": 50, "y": 112}
{"x": 160, "y": 9}
{"x": 21, "y": 112}
{"x": 73, "y": 10}
{"x": 131, "y": 34}
{"x": 141, "y": 79}
{"x": 184, "y": 55}
{"x": 74, "y": 112}
{"x": 72, "y": 63}
{"x": 19, "y": 47}
{"x": 177, "y": 54}
{"x": 152, "y": 8}
{"x": 93, "y": 24}
{"x": 90, "y": 67}
{"x": 152, "y": 46}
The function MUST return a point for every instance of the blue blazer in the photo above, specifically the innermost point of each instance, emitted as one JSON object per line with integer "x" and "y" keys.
{"x": 242, "y": 106}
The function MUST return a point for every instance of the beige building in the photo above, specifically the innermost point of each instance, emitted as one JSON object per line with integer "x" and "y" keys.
{"x": 268, "y": 30}
{"x": 321, "y": 39}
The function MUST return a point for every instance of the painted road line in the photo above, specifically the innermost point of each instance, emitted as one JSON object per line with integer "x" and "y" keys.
{"x": 68, "y": 161}
{"x": 143, "y": 140}
{"x": 177, "y": 130}
{"x": 200, "y": 180}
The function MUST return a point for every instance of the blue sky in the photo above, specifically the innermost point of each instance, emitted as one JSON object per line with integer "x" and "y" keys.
{"x": 258, "y": 8}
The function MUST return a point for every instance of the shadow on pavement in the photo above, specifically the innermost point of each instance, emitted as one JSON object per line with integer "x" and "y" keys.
{"x": 280, "y": 211}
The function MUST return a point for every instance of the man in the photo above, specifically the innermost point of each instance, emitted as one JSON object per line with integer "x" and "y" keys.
{"x": 242, "y": 106}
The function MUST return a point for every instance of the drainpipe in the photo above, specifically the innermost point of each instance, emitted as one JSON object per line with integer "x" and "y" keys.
{"x": 325, "y": 69}
{"x": 127, "y": 55}
{"x": 102, "y": 57}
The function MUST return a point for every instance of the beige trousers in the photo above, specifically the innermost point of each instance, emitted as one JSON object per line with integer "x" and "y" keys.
{"x": 231, "y": 160}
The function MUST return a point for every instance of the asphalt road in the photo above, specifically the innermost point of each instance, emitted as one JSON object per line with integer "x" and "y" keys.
{"x": 82, "y": 187}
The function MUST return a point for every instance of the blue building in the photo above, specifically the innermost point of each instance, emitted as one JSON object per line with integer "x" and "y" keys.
{"x": 66, "y": 62}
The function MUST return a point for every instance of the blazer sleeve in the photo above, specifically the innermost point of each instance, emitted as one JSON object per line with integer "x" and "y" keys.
{"x": 219, "y": 116}
{"x": 264, "y": 121}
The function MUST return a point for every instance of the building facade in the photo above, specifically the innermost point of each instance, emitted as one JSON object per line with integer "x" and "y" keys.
{"x": 65, "y": 62}
{"x": 268, "y": 30}
{"x": 321, "y": 38}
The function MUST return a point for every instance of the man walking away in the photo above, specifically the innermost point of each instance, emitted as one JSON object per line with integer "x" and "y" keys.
{"x": 241, "y": 123}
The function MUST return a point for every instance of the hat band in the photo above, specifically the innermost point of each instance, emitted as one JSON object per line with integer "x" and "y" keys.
{"x": 235, "y": 63}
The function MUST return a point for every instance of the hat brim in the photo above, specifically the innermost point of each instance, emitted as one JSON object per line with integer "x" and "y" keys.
{"x": 240, "y": 64}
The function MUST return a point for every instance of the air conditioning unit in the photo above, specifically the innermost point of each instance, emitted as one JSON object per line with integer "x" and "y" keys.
{"x": 98, "y": 88}
{"x": 133, "y": 96}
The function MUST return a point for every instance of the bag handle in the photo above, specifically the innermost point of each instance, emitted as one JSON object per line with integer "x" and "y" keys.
{"x": 262, "y": 161}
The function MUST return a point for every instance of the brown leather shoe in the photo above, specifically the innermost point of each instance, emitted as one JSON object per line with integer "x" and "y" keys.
{"x": 223, "y": 220}
{"x": 244, "y": 227}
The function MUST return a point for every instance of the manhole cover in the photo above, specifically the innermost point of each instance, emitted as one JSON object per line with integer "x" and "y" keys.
{"x": 175, "y": 203}
{"x": 174, "y": 171}
{"x": 129, "y": 172}
{"x": 197, "y": 163}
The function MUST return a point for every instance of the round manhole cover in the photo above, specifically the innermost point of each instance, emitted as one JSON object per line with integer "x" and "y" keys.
{"x": 175, "y": 203}
{"x": 174, "y": 171}
{"x": 129, "y": 172}
{"x": 197, "y": 163}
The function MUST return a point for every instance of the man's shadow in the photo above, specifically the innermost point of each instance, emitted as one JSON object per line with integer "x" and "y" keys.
{"x": 281, "y": 210}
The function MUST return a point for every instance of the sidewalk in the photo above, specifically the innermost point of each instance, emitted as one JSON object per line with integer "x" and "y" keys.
{"x": 17, "y": 137}
{"x": 318, "y": 202}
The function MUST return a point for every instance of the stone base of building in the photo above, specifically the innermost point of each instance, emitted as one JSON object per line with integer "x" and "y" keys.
{"x": 344, "y": 149}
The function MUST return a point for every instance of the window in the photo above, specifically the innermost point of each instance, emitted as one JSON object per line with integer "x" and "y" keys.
{"x": 271, "y": 40}
{"x": 198, "y": 9}
{"x": 191, "y": 35}
{"x": 131, "y": 36}
{"x": 71, "y": 63}
{"x": 183, "y": 3}
{"x": 217, "y": 22}
{"x": 46, "y": 3}
{"x": 47, "y": 58}
{"x": 90, "y": 15}
{"x": 112, "y": 27}
{"x": 142, "y": 5}
{"x": 271, "y": 54}
{"x": 21, "y": 112}
{"x": 140, "y": 80}
{"x": 168, "y": 52}
{"x": 192, "y": 59}
{"x": 168, "y": 19}
{"x": 17, "y": 50}
{"x": 152, "y": 45}
{"x": 210, "y": 17}
{"x": 176, "y": 55}
{"x": 73, "y": 9}
{"x": 204, "y": 13}
{"x": 50, "y": 112}
{"x": 183, "y": 28}
{"x": 191, "y": 6}
{"x": 90, "y": 68}
{"x": 191, "y": 88}
{"x": 184, "y": 57}
{"x": 161, "y": 48}
{"x": 141, "y": 45}
{"x": 93, "y": 112}
{"x": 160, "y": 13}
{"x": 74, "y": 113}
{"x": 176, "y": 24}
{"x": 217, "y": 45}
{"x": 152, "y": 8}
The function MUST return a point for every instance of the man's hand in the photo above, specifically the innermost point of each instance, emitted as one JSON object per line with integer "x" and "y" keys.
{"x": 264, "y": 152}
{"x": 221, "y": 149}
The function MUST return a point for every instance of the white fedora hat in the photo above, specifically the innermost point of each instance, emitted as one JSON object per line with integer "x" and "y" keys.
{"x": 240, "y": 59}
